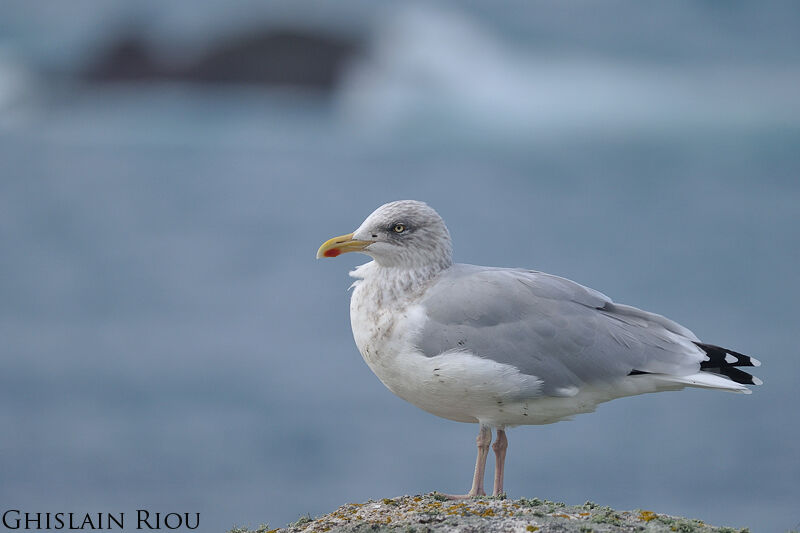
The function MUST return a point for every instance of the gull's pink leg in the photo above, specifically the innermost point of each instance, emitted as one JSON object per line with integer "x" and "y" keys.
{"x": 483, "y": 441}
{"x": 500, "y": 446}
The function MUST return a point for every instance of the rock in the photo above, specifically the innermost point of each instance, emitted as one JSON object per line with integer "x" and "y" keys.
{"x": 127, "y": 59}
{"x": 267, "y": 57}
{"x": 289, "y": 58}
{"x": 433, "y": 513}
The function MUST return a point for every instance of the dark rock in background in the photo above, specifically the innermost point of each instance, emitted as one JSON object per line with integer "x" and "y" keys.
{"x": 267, "y": 57}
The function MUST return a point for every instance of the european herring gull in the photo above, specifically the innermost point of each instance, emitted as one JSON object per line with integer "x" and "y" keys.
{"x": 503, "y": 347}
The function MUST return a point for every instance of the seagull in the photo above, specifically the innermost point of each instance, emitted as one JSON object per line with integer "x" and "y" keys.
{"x": 503, "y": 347}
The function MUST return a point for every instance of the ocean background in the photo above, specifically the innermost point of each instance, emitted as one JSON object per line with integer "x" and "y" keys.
{"x": 168, "y": 341}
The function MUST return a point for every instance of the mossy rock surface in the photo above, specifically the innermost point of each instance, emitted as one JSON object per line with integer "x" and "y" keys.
{"x": 433, "y": 513}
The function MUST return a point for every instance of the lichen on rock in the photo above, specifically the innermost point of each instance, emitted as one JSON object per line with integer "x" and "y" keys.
{"x": 432, "y": 513}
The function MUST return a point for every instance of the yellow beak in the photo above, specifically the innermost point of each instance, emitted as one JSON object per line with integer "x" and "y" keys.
{"x": 341, "y": 245}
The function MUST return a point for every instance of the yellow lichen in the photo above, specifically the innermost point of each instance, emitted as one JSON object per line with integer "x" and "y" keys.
{"x": 647, "y": 515}
{"x": 532, "y": 528}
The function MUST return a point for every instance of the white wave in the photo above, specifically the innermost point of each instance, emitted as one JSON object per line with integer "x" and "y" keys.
{"x": 441, "y": 66}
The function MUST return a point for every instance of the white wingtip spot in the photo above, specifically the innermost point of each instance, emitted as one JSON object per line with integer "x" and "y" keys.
{"x": 755, "y": 361}
{"x": 730, "y": 359}
{"x": 757, "y": 381}
{"x": 566, "y": 392}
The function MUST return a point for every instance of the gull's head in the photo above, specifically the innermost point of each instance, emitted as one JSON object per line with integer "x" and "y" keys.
{"x": 405, "y": 234}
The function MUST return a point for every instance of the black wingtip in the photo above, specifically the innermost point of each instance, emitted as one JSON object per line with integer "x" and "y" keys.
{"x": 725, "y": 362}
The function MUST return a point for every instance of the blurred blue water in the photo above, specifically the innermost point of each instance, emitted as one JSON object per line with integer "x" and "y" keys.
{"x": 168, "y": 340}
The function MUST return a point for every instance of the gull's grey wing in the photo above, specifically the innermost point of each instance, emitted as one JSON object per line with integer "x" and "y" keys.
{"x": 565, "y": 334}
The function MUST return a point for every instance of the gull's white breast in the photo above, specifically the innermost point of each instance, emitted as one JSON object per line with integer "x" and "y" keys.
{"x": 456, "y": 385}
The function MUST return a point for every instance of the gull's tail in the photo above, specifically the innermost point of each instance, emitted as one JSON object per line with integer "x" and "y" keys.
{"x": 724, "y": 362}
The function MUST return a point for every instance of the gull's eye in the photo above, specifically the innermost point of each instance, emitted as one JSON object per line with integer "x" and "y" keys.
{"x": 399, "y": 228}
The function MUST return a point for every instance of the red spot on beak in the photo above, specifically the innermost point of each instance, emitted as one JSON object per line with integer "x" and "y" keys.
{"x": 333, "y": 252}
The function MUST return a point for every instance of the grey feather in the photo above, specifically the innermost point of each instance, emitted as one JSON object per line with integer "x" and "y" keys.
{"x": 565, "y": 334}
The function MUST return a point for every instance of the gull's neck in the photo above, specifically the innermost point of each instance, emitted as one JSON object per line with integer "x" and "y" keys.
{"x": 393, "y": 285}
